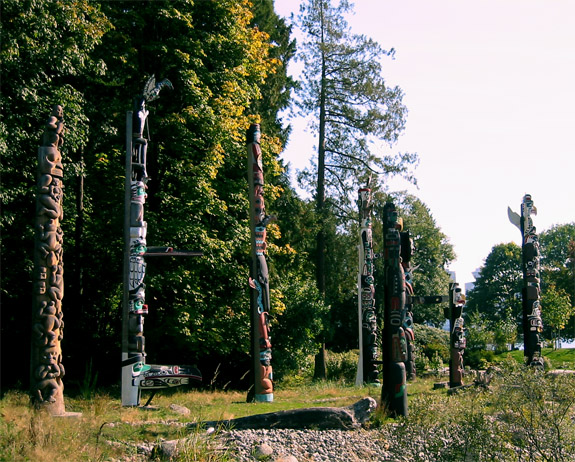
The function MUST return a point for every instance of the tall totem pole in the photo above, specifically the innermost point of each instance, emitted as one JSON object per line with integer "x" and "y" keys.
{"x": 407, "y": 250}
{"x": 395, "y": 349}
{"x": 46, "y": 368}
{"x": 259, "y": 278}
{"x": 136, "y": 374}
{"x": 531, "y": 293}
{"x": 457, "y": 334}
{"x": 367, "y": 370}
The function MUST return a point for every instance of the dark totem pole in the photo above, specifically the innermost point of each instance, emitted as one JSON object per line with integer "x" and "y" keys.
{"x": 395, "y": 346}
{"x": 259, "y": 279}
{"x": 136, "y": 374}
{"x": 46, "y": 368}
{"x": 367, "y": 370}
{"x": 457, "y": 335}
{"x": 531, "y": 293}
{"x": 407, "y": 250}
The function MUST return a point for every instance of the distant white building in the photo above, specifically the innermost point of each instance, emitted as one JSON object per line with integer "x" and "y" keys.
{"x": 470, "y": 285}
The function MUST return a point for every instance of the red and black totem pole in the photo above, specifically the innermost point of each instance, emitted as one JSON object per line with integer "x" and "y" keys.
{"x": 262, "y": 390}
{"x": 457, "y": 335}
{"x": 368, "y": 351}
{"x": 395, "y": 349}
{"x": 530, "y": 262}
{"x": 46, "y": 368}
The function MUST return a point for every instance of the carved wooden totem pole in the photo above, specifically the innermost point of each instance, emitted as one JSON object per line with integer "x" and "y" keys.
{"x": 530, "y": 262}
{"x": 259, "y": 279}
{"x": 368, "y": 351}
{"x": 136, "y": 374}
{"x": 457, "y": 335}
{"x": 46, "y": 368}
{"x": 395, "y": 347}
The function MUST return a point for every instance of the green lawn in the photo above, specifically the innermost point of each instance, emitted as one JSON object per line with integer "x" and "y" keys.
{"x": 563, "y": 358}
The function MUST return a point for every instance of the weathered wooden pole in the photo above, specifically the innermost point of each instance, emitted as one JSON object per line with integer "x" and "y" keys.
{"x": 394, "y": 390}
{"x": 46, "y": 368}
{"x": 368, "y": 351}
{"x": 457, "y": 339}
{"x": 259, "y": 278}
{"x": 530, "y": 265}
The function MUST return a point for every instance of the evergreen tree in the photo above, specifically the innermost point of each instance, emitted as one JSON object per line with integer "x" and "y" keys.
{"x": 343, "y": 89}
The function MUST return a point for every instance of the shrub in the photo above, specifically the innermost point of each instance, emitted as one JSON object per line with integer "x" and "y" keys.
{"x": 342, "y": 367}
{"x": 430, "y": 341}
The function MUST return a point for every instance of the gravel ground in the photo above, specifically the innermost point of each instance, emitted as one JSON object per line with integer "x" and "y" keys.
{"x": 307, "y": 445}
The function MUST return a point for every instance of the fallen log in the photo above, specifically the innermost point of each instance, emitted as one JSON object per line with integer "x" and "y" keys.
{"x": 318, "y": 418}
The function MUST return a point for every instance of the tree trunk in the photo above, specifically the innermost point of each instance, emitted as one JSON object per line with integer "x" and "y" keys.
{"x": 320, "y": 365}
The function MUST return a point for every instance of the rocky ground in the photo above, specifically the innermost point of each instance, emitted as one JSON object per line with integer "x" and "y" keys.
{"x": 307, "y": 445}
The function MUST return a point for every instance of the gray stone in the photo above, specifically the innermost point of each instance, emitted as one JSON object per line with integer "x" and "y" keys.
{"x": 180, "y": 409}
{"x": 263, "y": 451}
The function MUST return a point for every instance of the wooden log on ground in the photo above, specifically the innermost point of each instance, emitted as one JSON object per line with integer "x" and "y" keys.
{"x": 318, "y": 418}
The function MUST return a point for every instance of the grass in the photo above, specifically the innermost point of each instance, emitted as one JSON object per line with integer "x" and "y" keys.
{"x": 28, "y": 435}
{"x": 465, "y": 422}
{"x": 560, "y": 359}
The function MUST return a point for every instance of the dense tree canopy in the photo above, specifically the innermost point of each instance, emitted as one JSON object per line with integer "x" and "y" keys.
{"x": 94, "y": 59}
{"x": 497, "y": 291}
{"x": 227, "y": 61}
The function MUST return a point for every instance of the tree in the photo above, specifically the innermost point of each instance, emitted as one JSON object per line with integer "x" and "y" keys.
{"x": 47, "y": 50}
{"x": 343, "y": 89}
{"x": 277, "y": 88}
{"x": 558, "y": 264}
{"x": 95, "y": 59}
{"x": 497, "y": 292}
{"x": 556, "y": 311}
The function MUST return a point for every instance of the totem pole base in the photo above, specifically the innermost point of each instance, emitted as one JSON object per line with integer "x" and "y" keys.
{"x": 264, "y": 398}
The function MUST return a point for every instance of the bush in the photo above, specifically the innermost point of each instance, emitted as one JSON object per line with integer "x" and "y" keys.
{"x": 431, "y": 341}
{"x": 479, "y": 359}
{"x": 342, "y": 367}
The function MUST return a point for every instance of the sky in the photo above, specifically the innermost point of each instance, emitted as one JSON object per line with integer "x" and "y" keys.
{"x": 490, "y": 90}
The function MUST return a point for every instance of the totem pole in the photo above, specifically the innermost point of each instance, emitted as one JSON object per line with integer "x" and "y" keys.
{"x": 136, "y": 374}
{"x": 46, "y": 368}
{"x": 407, "y": 250}
{"x": 259, "y": 280}
{"x": 531, "y": 293}
{"x": 395, "y": 354}
{"x": 367, "y": 370}
{"x": 457, "y": 339}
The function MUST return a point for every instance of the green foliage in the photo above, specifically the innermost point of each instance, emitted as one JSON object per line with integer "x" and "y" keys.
{"x": 295, "y": 329}
{"x": 342, "y": 367}
{"x": 497, "y": 291}
{"x": 557, "y": 309}
{"x": 343, "y": 89}
{"x": 93, "y": 59}
{"x": 524, "y": 415}
{"x": 431, "y": 342}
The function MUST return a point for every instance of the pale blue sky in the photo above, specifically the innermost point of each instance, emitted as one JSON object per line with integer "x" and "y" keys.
{"x": 490, "y": 89}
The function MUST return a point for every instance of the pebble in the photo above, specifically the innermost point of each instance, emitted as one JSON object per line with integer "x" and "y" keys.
{"x": 306, "y": 445}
